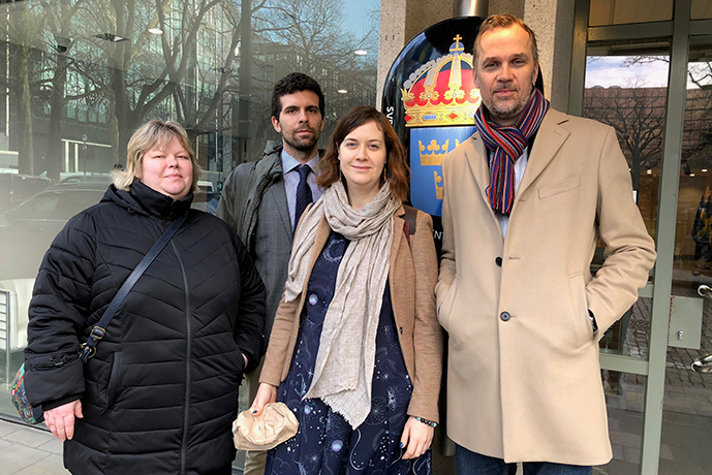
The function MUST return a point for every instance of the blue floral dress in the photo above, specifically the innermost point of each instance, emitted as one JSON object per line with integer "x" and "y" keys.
{"x": 325, "y": 442}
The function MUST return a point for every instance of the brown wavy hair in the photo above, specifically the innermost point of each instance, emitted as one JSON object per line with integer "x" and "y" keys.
{"x": 396, "y": 167}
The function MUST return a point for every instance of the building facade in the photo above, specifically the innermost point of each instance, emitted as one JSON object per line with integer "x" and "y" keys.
{"x": 79, "y": 76}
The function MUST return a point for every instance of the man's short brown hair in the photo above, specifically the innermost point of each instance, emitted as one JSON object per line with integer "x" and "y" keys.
{"x": 493, "y": 22}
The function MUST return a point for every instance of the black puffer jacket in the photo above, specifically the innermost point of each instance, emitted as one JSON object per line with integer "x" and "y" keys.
{"x": 160, "y": 395}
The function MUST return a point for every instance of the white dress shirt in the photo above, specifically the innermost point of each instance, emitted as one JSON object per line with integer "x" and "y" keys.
{"x": 519, "y": 166}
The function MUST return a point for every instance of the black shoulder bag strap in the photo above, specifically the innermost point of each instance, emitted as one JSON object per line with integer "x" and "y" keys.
{"x": 98, "y": 331}
{"x": 409, "y": 217}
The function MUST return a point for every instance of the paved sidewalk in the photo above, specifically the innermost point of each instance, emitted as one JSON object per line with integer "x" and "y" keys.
{"x": 29, "y": 451}
{"x": 26, "y": 450}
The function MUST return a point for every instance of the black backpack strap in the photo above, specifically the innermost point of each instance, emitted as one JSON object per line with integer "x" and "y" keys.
{"x": 409, "y": 217}
{"x": 98, "y": 331}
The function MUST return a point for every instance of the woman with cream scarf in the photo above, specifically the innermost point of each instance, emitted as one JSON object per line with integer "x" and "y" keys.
{"x": 356, "y": 350}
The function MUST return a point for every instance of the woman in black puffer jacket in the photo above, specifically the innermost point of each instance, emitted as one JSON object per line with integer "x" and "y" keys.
{"x": 160, "y": 394}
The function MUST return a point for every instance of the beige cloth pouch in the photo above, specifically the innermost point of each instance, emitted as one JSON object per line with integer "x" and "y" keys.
{"x": 275, "y": 425}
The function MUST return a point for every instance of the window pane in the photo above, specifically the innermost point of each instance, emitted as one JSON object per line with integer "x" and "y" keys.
{"x": 701, "y": 10}
{"x": 78, "y": 81}
{"x": 688, "y": 394}
{"x": 618, "y": 12}
{"x": 626, "y": 88}
{"x": 693, "y": 256}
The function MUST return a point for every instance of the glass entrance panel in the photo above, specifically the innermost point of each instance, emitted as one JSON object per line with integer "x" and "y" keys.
{"x": 618, "y": 12}
{"x": 626, "y": 88}
{"x": 700, "y": 9}
{"x": 687, "y": 408}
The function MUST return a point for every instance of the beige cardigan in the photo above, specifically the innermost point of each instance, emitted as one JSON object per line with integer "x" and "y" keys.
{"x": 412, "y": 276}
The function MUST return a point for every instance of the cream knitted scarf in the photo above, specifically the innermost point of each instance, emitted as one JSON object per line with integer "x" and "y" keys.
{"x": 347, "y": 346}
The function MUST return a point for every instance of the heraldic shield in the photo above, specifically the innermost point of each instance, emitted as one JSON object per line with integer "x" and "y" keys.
{"x": 428, "y": 147}
{"x": 440, "y": 100}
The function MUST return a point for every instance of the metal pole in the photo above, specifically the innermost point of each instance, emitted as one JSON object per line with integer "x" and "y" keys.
{"x": 478, "y": 8}
{"x": 665, "y": 240}
{"x": 243, "y": 121}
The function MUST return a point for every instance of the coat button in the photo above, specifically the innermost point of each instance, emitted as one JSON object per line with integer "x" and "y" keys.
{"x": 313, "y": 299}
{"x": 400, "y": 329}
{"x": 505, "y": 316}
{"x": 498, "y": 261}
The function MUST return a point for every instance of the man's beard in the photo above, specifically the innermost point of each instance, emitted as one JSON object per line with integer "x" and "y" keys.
{"x": 306, "y": 145}
{"x": 508, "y": 112}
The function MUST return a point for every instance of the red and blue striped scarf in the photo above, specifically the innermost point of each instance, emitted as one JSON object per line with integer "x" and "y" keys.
{"x": 507, "y": 143}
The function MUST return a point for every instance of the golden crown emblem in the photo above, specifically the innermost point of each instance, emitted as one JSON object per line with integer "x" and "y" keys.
{"x": 433, "y": 153}
{"x": 442, "y": 91}
{"x": 438, "y": 179}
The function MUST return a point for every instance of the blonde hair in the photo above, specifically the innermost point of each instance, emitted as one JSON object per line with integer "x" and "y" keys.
{"x": 152, "y": 134}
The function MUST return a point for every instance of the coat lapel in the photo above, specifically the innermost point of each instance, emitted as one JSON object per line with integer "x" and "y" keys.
{"x": 398, "y": 226}
{"x": 280, "y": 204}
{"x": 400, "y": 286}
{"x": 476, "y": 156}
{"x": 478, "y": 161}
{"x": 549, "y": 139}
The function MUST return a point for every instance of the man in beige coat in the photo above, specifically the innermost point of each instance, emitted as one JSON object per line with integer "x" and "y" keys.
{"x": 526, "y": 198}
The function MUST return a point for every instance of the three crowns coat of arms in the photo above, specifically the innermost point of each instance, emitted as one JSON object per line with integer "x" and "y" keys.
{"x": 440, "y": 99}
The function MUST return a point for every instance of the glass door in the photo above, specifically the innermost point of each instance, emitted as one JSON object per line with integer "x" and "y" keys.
{"x": 687, "y": 405}
{"x": 652, "y": 82}
{"x": 626, "y": 87}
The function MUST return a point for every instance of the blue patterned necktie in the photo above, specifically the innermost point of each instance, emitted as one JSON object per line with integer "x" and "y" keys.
{"x": 304, "y": 194}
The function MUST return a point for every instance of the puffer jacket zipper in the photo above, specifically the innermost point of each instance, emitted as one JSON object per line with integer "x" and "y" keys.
{"x": 188, "y": 350}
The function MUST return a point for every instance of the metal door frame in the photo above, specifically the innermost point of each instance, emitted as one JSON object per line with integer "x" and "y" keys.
{"x": 679, "y": 32}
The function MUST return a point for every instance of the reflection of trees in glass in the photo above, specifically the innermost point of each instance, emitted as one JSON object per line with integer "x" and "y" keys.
{"x": 315, "y": 32}
{"x": 57, "y": 65}
{"x": 313, "y": 37}
{"x": 210, "y": 48}
{"x": 637, "y": 113}
{"x": 697, "y": 138}
{"x": 20, "y": 56}
{"x": 19, "y": 51}
{"x": 91, "y": 71}
{"x": 699, "y": 71}
{"x": 145, "y": 70}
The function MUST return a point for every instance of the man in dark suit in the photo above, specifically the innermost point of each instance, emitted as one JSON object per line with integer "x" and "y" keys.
{"x": 263, "y": 200}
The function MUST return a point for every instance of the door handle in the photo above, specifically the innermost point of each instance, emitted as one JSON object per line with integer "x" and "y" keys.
{"x": 704, "y": 290}
{"x": 703, "y": 364}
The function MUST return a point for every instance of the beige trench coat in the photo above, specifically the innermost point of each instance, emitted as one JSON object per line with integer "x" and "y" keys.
{"x": 524, "y": 380}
